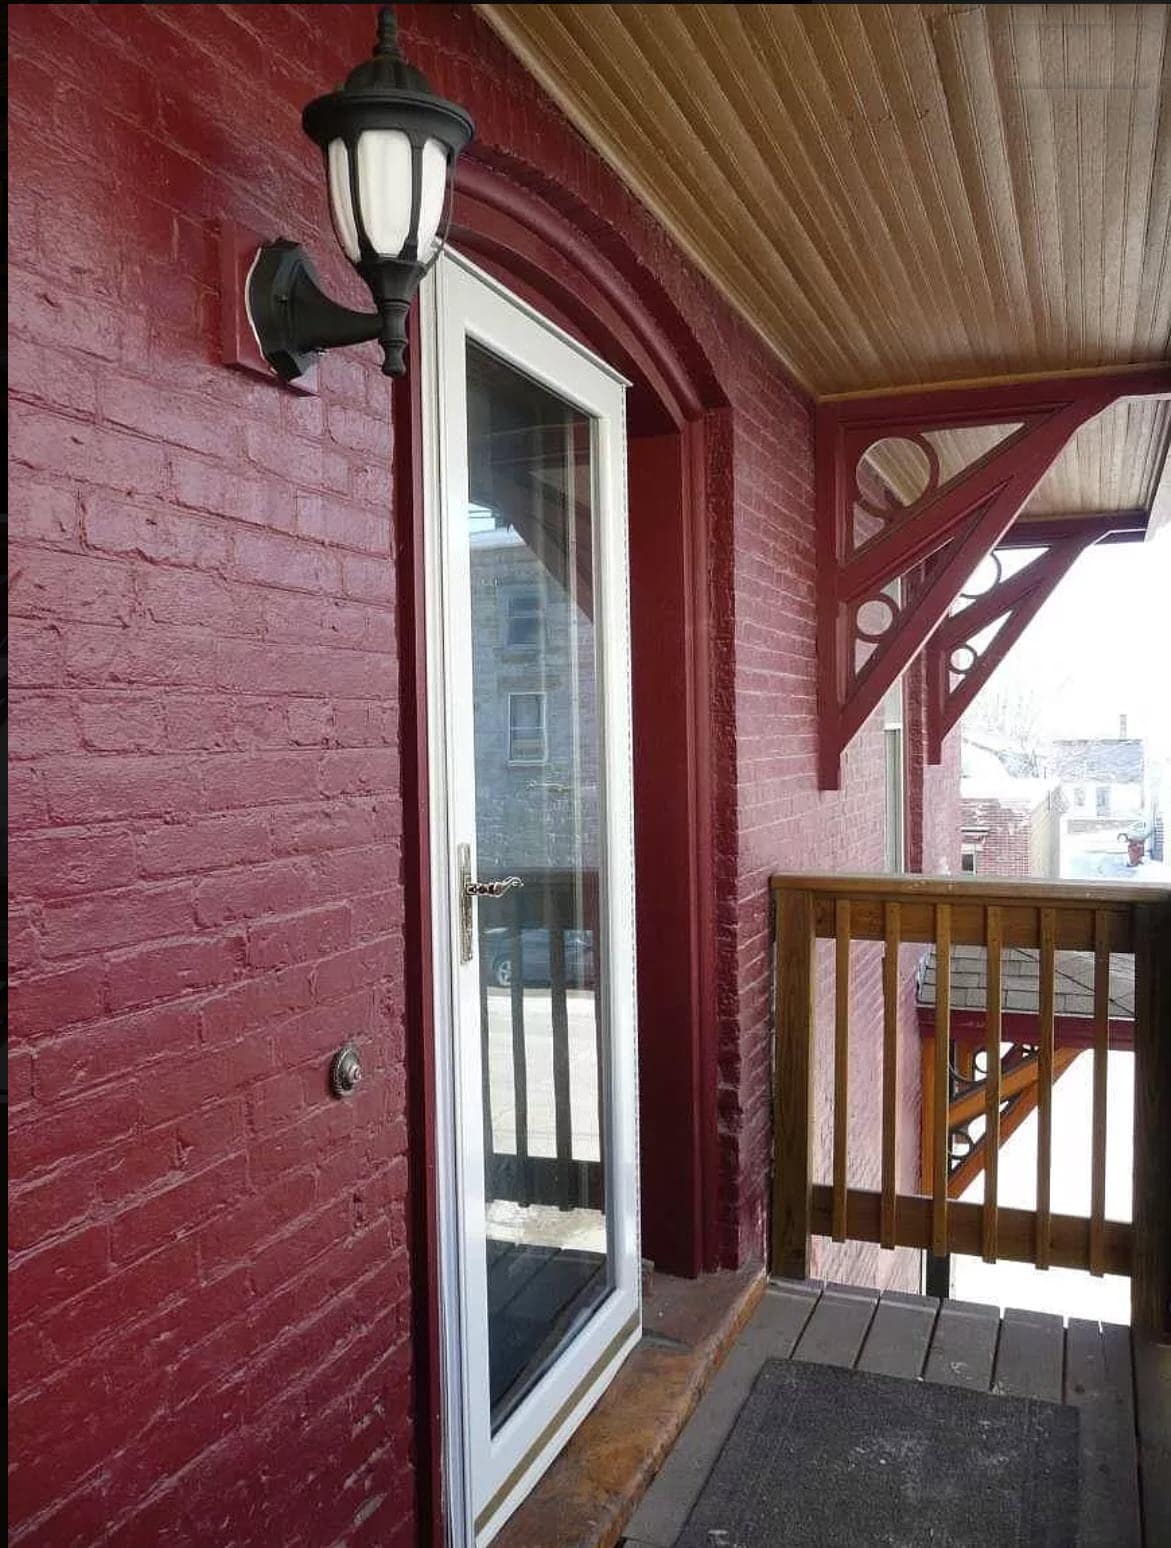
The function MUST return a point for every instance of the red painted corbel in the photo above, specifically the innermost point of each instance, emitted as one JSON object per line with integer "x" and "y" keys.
{"x": 955, "y": 524}
{"x": 956, "y": 668}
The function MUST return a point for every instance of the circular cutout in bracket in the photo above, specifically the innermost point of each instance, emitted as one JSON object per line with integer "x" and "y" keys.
{"x": 909, "y": 460}
{"x": 969, "y": 655}
{"x": 973, "y": 589}
{"x": 874, "y": 618}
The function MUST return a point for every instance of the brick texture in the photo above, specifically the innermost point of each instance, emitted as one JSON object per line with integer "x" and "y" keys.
{"x": 211, "y": 1270}
{"x": 209, "y": 1285}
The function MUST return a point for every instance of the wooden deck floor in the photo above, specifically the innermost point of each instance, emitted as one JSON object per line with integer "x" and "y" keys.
{"x": 1023, "y": 1354}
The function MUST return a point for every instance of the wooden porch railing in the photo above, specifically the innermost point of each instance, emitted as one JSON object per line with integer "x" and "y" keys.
{"x": 561, "y": 907}
{"x": 1048, "y": 917}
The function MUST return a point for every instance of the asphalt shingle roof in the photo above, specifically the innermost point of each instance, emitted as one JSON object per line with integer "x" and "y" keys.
{"x": 1020, "y": 978}
{"x": 1116, "y": 760}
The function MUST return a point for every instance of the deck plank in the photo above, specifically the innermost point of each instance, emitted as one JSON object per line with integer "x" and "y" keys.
{"x": 900, "y": 1335}
{"x": 1030, "y": 1355}
{"x": 770, "y": 1334}
{"x": 1152, "y": 1363}
{"x": 1098, "y": 1382}
{"x": 835, "y": 1332}
{"x": 964, "y": 1346}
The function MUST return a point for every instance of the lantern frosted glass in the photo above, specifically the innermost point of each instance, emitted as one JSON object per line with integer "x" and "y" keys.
{"x": 384, "y": 189}
{"x": 385, "y": 185}
{"x": 433, "y": 195}
{"x": 341, "y": 206}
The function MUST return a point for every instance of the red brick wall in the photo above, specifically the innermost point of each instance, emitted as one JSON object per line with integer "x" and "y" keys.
{"x": 933, "y": 827}
{"x": 1013, "y": 838}
{"x": 210, "y": 1291}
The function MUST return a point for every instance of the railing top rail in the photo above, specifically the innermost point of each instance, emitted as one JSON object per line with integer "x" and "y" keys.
{"x": 974, "y": 889}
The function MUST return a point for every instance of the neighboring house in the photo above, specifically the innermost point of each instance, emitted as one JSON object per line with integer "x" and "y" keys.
{"x": 535, "y": 711}
{"x": 1011, "y": 825}
{"x": 1102, "y": 778}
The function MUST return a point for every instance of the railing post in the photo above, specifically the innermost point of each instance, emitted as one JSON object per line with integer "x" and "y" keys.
{"x": 1150, "y": 1285}
{"x": 792, "y": 1146}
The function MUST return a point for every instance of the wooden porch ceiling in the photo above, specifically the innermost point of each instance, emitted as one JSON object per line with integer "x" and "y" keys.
{"x": 895, "y": 195}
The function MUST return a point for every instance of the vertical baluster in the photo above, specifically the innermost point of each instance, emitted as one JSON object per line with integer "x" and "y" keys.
{"x": 941, "y": 1084}
{"x": 993, "y": 999}
{"x": 520, "y": 1069}
{"x": 890, "y": 1072}
{"x": 1150, "y": 1302}
{"x": 1048, "y": 969}
{"x": 841, "y": 1062}
{"x": 792, "y": 1167}
{"x": 1098, "y": 1121}
{"x": 562, "y": 1108}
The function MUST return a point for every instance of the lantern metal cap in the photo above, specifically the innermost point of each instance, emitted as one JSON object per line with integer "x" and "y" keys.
{"x": 386, "y": 69}
{"x": 387, "y": 80}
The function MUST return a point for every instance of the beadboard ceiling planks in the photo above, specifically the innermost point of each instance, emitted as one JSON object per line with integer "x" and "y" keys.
{"x": 903, "y": 194}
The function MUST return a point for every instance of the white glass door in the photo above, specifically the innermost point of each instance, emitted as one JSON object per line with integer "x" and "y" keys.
{"x": 533, "y": 881}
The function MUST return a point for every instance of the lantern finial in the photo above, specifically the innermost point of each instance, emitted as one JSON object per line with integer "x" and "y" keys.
{"x": 387, "y": 31}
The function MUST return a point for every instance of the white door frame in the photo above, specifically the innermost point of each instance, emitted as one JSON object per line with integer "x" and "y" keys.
{"x": 487, "y": 1475}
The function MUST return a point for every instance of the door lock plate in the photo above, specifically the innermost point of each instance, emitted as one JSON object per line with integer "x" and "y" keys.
{"x": 469, "y": 889}
{"x": 463, "y": 857}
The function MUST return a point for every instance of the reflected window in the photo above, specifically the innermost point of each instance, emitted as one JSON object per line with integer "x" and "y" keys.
{"x": 526, "y": 728}
{"x": 524, "y": 620}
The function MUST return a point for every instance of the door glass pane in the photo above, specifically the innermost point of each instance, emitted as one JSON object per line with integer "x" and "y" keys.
{"x": 530, "y": 541}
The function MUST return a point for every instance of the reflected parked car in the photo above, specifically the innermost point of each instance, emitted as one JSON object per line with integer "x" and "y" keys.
{"x": 579, "y": 956}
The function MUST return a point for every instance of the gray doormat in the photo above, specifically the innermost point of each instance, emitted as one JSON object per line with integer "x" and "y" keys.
{"x": 821, "y": 1457}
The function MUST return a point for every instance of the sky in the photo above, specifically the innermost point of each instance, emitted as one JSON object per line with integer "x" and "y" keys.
{"x": 1101, "y": 647}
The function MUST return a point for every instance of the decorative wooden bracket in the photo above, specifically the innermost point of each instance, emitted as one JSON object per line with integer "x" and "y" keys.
{"x": 1020, "y": 1068}
{"x": 958, "y": 663}
{"x": 867, "y": 539}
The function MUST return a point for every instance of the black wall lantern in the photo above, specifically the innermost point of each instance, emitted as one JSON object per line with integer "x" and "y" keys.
{"x": 390, "y": 147}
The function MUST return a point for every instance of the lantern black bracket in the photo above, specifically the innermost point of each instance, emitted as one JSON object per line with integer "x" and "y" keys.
{"x": 292, "y": 316}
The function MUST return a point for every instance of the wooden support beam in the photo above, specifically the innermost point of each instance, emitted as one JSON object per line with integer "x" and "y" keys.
{"x": 1018, "y": 1078}
{"x": 1040, "y": 531}
{"x": 959, "y": 521}
{"x": 957, "y": 666}
{"x": 1024, "y": 1101}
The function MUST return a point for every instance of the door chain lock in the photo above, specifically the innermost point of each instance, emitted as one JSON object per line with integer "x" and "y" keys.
{"x": 469, "y": 889}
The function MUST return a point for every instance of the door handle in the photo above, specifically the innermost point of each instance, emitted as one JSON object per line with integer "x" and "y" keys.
{"x": 469, "y": 889}
{"x": 492, "y": 889}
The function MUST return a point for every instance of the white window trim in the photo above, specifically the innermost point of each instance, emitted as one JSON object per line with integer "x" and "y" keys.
{"x": 894, "y": 763}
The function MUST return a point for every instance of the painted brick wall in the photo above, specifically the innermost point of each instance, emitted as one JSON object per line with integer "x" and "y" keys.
{"x": 210, "y": 1290}
{"x": 209, "y": 1293}
{"x": 1015, "y": 837}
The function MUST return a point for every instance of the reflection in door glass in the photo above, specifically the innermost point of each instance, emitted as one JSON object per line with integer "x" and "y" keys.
{"x": 530, "y": 537}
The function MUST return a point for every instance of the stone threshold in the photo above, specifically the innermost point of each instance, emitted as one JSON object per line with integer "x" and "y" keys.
{"x": 591, "y": 1490}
